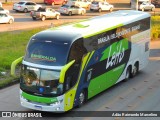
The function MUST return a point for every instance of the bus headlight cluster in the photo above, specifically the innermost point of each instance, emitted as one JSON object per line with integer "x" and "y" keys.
{"x": 57, "y": 103}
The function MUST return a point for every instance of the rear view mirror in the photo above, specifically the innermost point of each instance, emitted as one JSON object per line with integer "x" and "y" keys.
{"x": 64, "y": 70}
{"x": 14, "y": 64}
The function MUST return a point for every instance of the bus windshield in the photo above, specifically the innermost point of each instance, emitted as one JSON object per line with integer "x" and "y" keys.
{"x": 47, "y": 53}
{"x": 40, "y": 81}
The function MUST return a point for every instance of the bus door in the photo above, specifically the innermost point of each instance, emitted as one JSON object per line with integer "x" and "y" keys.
{"x": 70, "y": 73}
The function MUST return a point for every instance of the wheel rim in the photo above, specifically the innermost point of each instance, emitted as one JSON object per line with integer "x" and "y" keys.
{"x": 70, "y": 13}
{"x": 134, "y": 70}
{"x": 43, "y": 18}
{"x": 82, "y": 13}
{"x": 111, "y": 10}
{"x": 57, "y": 17}
{"x": 81, "y": 98}
{"x": 127, "y": 74}
{"x": 25, "y": 10}
{"x": 10, "y": 21}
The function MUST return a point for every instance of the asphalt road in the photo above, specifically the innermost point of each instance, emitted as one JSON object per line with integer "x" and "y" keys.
{"x": 24, "y": 21}
{"x": 140, "y": 93}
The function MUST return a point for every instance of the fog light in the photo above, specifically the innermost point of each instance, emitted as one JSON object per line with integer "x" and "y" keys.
{"x": 57, "y": 109}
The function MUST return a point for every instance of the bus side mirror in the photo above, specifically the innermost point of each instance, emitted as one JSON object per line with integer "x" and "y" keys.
{"x": 14, "y": 64}
{"x": 64, "y": 70}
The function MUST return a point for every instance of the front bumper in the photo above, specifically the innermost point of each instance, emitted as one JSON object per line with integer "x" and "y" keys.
{"x": 55, "y": 107}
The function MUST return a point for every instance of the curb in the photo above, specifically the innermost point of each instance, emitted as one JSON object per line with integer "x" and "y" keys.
{"x": 14, "y": 81}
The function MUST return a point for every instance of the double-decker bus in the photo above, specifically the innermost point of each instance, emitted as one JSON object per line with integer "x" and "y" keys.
{"x": 65, "y": 66}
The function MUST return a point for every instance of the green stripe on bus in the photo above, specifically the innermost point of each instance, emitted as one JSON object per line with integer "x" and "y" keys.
{"x": 38, "y": 99}
{"x": 104, "y": 81}
{"x": 92, "y": 34}
{"x": 111, "y": 50}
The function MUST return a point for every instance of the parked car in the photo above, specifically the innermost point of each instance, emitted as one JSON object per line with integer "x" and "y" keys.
{"x": 53, "y": 2}
{"x": 71, "y": 9}
{"x": 141, "y": 1}
{"x": 5, "y": 18}
{"x": 80, "y": 3}
{"x": 101, "y": 6}
{"x": 146, "y": 6}
{"x": 0, "y": 4}
{"x": 44, "y": 13}
{"x": 26, "y": 6}
{"x": 156, "y": 2}
{"x": 4, "y": 11}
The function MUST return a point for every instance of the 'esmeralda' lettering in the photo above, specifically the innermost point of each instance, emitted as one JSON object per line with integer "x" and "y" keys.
{"x": 42, "y": 57}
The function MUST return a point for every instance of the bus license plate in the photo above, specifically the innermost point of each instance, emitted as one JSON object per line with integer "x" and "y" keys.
{"x": 38, "y": 107}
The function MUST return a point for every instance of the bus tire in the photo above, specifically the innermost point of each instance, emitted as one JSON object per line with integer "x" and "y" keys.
{"x": 128, "y": 74}
{"x": 82, "y": 98}
{"x": 135, "y": 70}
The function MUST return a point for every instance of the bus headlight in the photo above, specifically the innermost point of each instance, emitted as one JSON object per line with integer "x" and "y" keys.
{"x": 57, "y": 103}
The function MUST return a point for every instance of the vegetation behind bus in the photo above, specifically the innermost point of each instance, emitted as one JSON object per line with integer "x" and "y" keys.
{"x": 13, "y": 45}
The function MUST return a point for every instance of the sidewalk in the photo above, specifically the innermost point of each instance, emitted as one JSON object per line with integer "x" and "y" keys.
{"x": 155, "y": 50}
{"x": 155, "y": 44}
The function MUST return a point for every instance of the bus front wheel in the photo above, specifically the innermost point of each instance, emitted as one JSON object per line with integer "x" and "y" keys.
{"x": 82, "y": 98}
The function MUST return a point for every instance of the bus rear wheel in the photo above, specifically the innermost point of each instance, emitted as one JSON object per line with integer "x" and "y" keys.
{"x": 135, "y": 70}
{"x": 128, "y": 74}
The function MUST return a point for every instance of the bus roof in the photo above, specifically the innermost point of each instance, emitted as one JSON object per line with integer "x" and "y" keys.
{"x": 96, "y": 25}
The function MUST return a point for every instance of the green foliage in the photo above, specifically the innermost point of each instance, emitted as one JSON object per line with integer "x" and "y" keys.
{"x": 8, "y": 81}
{"x": 155, "y": 25}
{"x": 13, "y": 45}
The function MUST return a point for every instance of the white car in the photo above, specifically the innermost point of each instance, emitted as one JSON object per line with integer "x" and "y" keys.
{"x": 147, "y": 6}
{"x": 80, "y": 3}
{"x": 26, "y": 6}
{"x": 101, "y": 6}
{"x": 5, "y": 18}
{"x": 3, "y": 10}
{"x": 141, "y": 1}
{"x": 71, "y": 9}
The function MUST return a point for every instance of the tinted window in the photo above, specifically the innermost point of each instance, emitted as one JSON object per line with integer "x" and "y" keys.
{"x": 94, "y": 2}
{"x": 77, "y": 51}
{"x": 47, "y": 53}
{"x": 21, "y": 3}
{"x": 65, "y": 6}
{"x": 28, "y": 4}
{"x": 32, "y": 4}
